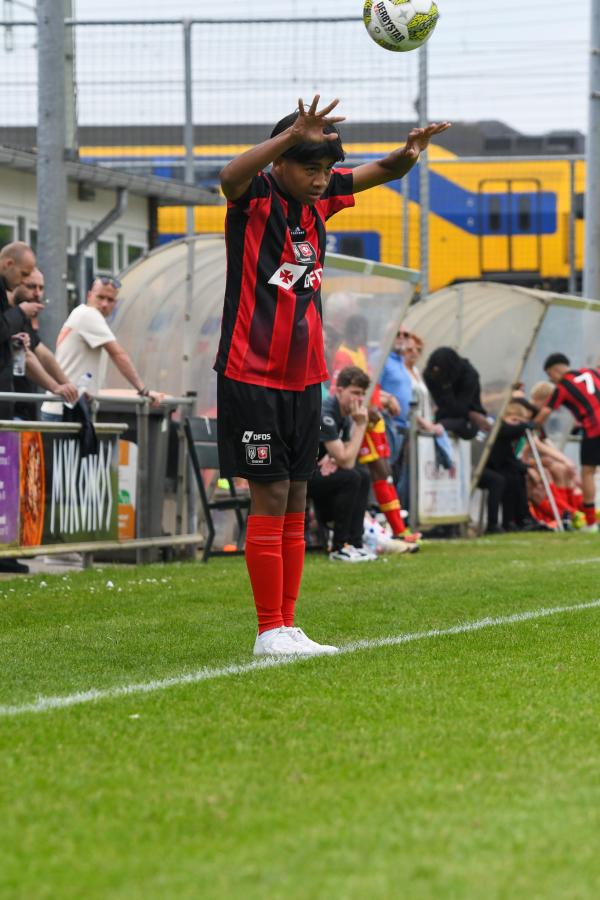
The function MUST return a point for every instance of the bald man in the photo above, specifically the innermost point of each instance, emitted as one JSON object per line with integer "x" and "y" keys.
{"x": 17, "y": 261}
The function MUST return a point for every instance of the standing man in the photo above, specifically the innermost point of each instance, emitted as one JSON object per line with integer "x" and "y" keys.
{"x": 41, "y": 366}
{"x": 16, "y": 263}
{"x": 579, "y": 391}
{"x": 271, "y": 359}
{"x": 82, "y": 339}
{"x": 395, "y": 379}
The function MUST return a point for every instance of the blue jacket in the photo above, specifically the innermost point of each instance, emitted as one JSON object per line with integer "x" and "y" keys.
{"x": 396, "y": 380}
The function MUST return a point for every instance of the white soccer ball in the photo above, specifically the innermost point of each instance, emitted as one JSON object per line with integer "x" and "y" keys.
{"x": 400, "y": 24}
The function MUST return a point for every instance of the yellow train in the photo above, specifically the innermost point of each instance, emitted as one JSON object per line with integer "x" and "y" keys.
{"x": 496, "y": 220}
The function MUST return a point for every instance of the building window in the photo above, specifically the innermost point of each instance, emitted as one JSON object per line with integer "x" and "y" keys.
{"x": 33, "y": 233}
{"x": 7, "y": 234}
{"x": 105, "y": 256}
{"x": 133, "y": 253}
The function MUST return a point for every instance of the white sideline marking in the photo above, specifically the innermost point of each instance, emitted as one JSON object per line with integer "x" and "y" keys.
{"x": 44, "y": 704}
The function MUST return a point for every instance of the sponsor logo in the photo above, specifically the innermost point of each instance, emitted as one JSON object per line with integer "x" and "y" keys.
{"x": 313, "y": 279}
{"x": 287, "y": 275}
{"x": 327, "y": 420}
{"x": 304, "y": 252}
{"x": 258, "y": 455}
{"x": 251, "y": 436}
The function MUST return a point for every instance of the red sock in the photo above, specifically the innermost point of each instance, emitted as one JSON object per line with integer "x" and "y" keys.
{"x": 590, "y": 513}
{"x": 265, "y": 567}
{"x": 387, "y": 498}
{"x": 292, "y": 550}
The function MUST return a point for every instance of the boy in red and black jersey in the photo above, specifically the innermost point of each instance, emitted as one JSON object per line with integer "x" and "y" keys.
{"x": 579, "y": 391}
{"x": 271, "y": 359}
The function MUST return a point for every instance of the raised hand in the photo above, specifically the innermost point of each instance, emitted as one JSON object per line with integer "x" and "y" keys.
{"x": 310, "y": 124}
{"x": 418, "y": 139}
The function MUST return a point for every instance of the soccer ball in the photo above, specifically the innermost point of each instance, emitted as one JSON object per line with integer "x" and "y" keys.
{"x": 400, "y": 24}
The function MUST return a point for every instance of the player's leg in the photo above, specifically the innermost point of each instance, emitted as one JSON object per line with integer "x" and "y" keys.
{"x": 252, "y": 446}
{"x": 303, "y": 414}
{"x": 588, "y": 486}
{"x": 590, "y": 460}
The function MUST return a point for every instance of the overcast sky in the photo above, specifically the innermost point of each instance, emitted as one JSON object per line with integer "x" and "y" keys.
{"x": 515, "y": 60}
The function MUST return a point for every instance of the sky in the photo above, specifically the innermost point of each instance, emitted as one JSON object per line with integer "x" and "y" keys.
{"x": 518, "y": 61}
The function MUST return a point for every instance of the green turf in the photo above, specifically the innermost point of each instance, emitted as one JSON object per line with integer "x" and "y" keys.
{"x": 456, "y": 766}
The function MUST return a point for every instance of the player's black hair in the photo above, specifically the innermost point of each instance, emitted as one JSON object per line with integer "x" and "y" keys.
{"x": 352, "y": 376}
{"x": 307, "y": 152}
{"x": 556, "y": 359}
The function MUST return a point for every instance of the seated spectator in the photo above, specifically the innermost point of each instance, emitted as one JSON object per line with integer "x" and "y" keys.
{"x": 456, "y": 391}
{"x": 561, "y": 471}
{"x": 376, "y": 450}
{"x": 339, "y": 488}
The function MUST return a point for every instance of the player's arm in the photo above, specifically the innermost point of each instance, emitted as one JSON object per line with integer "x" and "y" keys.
{"x": 399, "y": 162}
{"x": 543, "y": 415}
{"x": 237, "y": 175}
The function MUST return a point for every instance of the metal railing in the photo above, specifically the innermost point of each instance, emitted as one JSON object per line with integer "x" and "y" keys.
{"x": 185, "y": 533}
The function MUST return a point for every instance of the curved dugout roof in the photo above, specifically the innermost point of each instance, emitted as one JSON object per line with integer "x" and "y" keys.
{"x": 171, "y": 301}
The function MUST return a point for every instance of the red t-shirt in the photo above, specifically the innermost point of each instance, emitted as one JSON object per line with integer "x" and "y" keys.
{"x": 272, "y": 328}
{"x": 579, "y": 391}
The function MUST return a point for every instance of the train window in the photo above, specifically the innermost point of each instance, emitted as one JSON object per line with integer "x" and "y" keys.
{"x": 579, "y": 206}
{"x": 105, "y": 255}
{"x": 494, "y": 213}
{"x": 351, "y": 245}
{"x": 7, "y": 234}
{"x": 524, "y": 214}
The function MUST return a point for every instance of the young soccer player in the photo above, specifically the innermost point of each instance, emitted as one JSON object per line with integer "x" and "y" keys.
{"x": 579, "y": 391}
{"x": 271, "y": 359}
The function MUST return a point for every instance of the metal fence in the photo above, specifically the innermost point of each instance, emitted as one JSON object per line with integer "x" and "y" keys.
{"x": 177, "y": 98}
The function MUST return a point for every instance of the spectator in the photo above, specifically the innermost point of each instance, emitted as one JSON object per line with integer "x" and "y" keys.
{"x": 353, "y": 349}
{"x": 376, "y": 450}
{"x": 339, "y": 488}
{"x": 16, "y": 263}
{"x": 503, "y": 460}
{"x": 41, "y": 366}
{"x": 456, "y": 391}
{"x": 413, "y": 349}
{"x": 579, "y": 391}
{"x": 82, "y": 339}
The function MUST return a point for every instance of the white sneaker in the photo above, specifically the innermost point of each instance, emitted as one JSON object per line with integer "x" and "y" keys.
{"x": 347, "y": 554}
{"x": 277, "y": 642}
{"x": 590, "y": 529}
{"x": 299, "y": 637}
{"x": 366, "y": 554}
{"x": 397, "y": 545}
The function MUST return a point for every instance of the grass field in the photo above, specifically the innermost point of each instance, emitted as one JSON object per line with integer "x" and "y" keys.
{"x": 460, "y": 765}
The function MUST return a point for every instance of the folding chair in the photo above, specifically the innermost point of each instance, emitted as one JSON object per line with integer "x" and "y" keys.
{"x": 201, "y": 435}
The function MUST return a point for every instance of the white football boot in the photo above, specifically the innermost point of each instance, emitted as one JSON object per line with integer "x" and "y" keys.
{"x": 301, "y": 639}
{"x": 277, "y": 642}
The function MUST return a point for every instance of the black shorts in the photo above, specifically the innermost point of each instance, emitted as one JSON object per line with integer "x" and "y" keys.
{"x": 590, "y": 451}
{"x": 266, "y": 434}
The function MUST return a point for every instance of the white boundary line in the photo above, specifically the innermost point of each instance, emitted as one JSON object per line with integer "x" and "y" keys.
{"x": 45, "y": 704}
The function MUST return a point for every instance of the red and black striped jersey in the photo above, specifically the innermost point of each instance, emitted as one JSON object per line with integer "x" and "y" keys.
{"x": 272, "y": 327}
{"x": 579, "y": 391}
